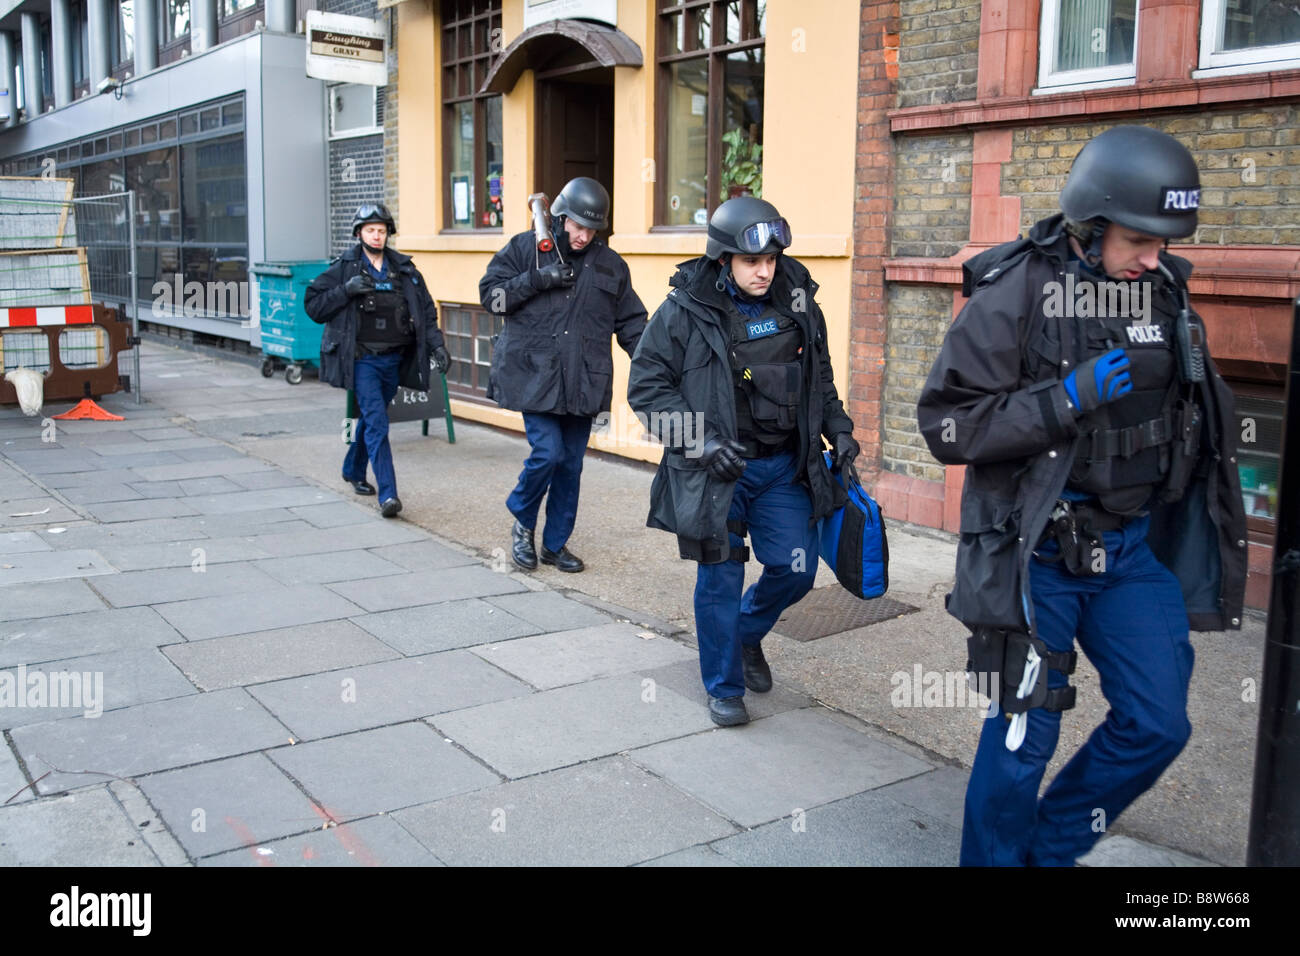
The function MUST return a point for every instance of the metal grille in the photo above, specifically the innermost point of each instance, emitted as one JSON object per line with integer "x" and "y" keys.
{"x": 834, "y": 610}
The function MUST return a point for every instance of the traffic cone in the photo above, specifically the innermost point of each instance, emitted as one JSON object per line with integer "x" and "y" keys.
{"x": 88, "y": 409}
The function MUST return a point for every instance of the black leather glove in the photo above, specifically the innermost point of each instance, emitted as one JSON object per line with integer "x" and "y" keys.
{"x": 553, "y": 275}
{"x": 359, "y": 284}
{"x": 843, "y": 450}
{"x": 722, "y": 458}
{"x": 441, "y": 360}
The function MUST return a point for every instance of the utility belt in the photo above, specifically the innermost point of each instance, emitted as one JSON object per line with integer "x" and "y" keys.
{"x": 753, "y": 448}
{"x": 1077, "y": 528}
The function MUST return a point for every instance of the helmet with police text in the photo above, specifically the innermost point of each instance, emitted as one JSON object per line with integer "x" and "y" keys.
{"x": 746, "y": 226}
{"x": 1137, "y": 177}
{"x": 373, "y": 212}
{"x": 585, "y": 201}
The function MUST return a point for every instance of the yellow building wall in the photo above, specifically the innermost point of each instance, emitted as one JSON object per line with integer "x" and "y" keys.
{"x": 809, "y": 135}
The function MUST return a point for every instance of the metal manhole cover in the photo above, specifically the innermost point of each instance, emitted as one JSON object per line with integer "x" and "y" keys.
{"x": 834, "y": 610}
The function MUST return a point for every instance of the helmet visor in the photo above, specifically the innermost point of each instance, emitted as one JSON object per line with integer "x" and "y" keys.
{"x": 754, "y": 239}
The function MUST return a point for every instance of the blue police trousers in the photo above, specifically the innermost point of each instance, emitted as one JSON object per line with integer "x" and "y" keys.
{"x": 777, "y": 510}
{"x": 1132, "y": 624}
{"x": 374, "y": 383}
{"x": 553, "y": 469}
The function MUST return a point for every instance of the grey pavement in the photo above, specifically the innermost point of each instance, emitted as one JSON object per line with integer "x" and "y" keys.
{"x": 213, "y": 653}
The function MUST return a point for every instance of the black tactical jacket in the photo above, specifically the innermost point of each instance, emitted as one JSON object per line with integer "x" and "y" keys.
{"x": 553, "y": 353}
{"x": 994, "y": 401}
{"x": 682, "y": 367}
{"x": 327, "y": 302}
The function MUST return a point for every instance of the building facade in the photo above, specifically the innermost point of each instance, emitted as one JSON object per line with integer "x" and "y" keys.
{"x": 203, "y": 108}
{"x": 673, "y": 106}
{"x": 969, "y": 120}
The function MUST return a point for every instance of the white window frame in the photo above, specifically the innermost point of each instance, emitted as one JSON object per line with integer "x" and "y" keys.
{"x": 1254, "y": 59}
{"x": 1051, "y": 80}
{"x": 352, "y": 133}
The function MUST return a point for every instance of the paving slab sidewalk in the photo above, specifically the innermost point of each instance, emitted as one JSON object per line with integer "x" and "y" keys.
{"x": 275, "y": 658}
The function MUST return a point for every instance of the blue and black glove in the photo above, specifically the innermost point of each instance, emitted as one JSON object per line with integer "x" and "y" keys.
{"x": 1098, "y": 381}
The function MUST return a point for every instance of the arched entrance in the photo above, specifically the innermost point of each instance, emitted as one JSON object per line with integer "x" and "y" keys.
{"x": 573, "y": 61}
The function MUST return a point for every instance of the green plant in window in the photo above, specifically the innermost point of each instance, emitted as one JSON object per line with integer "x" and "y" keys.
{"x": 742, "y": 164}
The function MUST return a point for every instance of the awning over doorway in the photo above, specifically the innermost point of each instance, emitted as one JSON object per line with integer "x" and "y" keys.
{"x": 546, "y": 42}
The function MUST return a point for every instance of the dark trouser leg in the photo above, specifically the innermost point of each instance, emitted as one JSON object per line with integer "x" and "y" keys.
{"x": 546, "y": 441}
{"x": 566, "y": 481}
{"x": 375, "y": 384}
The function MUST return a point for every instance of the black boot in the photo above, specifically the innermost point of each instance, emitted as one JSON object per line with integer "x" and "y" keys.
{"x": 564, "y": 560}
{"x": 728, "y": 711}
{"x": 758, "y": 676}
{"x": 522, "y": 551}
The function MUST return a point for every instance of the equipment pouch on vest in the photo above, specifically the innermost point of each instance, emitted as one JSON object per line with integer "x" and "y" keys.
{"x": 1010, "y": 668}
{"x": 773, "y": 392}
{"x": 1184, "y": 451}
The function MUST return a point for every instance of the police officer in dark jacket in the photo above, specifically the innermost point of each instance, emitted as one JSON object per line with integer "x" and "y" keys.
{"x": 552, "y": 360}
{"x": 1101, "y": 501}
{"x": 381, "y": 327}
{"x": 734, "y": 377}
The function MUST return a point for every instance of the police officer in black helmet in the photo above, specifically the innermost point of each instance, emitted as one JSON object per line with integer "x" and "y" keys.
{"x": 381, "y": 328}
{"x": 552, "y": 361}
{"x": 1101, "y": 501}
{"x": 733, "y": 375}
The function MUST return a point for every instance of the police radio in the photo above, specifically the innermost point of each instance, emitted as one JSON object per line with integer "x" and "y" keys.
{"x": 1189, "y": 335}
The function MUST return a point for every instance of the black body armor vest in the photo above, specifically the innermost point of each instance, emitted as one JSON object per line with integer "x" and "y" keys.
{"x": 385, "y": 322}
{"x": 1124, "y": 454}
{"x": 765, "y": 362}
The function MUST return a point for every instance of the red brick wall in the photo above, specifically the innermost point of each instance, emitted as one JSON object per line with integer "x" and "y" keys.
{"x": 873, "y": 205}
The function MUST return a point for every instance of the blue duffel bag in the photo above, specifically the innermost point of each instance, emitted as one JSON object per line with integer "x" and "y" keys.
{"x": 853, "y": 543}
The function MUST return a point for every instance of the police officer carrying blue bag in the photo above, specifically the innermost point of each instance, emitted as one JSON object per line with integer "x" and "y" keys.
{"x": 734, "y": 378}
{"x": 1101, "y": 502}
{"x": 553, "y": 361}
{"x": 381, "y": 328}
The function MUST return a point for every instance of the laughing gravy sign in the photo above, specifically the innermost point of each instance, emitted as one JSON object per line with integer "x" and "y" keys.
{"x": 345, "y": 49}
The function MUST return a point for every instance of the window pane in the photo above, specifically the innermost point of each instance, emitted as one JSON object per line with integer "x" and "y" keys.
{"x": 492, "y": 161}
{"x": 214, "y": 206}
{"x": 1093, "y": 33}
{"x": 126, "y": 22}
{"x": 157, "y": 198}
{"x": 1258, "y": 461}
{"x": 177, "y": 21}
{"x": 462, "y": 165}
{"x": 232, "y": 114}
{"x": 167, "y": 129}
{"x": 1259, "y": 23}
{"x": 352, "y": 107}
{"x": 686, "y": 152}
{"x": 742, "y": 126}
{"x": 231, "y": 7}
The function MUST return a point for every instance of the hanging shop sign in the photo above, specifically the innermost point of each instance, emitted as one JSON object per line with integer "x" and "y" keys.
{"x": 346, "y": 49}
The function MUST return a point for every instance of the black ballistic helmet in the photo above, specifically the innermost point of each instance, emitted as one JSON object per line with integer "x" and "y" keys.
{"x": 585, "y": 201}
{"x": 746, "y": 226}
{"x": 373, "y": 212}
{"x": 1137, "y": 177}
